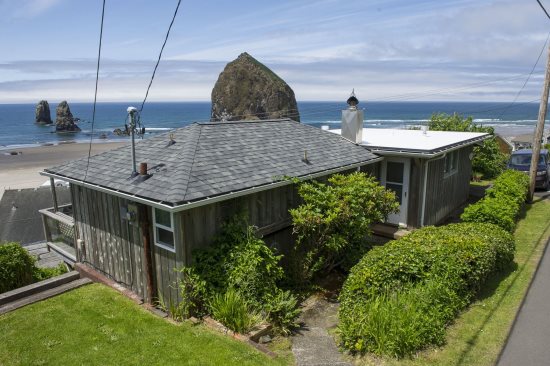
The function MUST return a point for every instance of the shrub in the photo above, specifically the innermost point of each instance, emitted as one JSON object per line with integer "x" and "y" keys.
{"x": 232, "y": 310}
{"x": 193, "y": 294}
{"x": 239, "y": 259}
{"x": 488, "y": 159}
{"x": 333, "y": 218}
{"x": 16, "y": 267}
{"x": 502, "y": 203}
{"x": 40, "y": 274}
{"x": 282, "y": 311}
{"x": 400, "y": 297}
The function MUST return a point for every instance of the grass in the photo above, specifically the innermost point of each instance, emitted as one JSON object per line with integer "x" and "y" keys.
{"x": 95, "y": 325}
{"x": 479, "y": 334}
{"x": 481, "y": 183}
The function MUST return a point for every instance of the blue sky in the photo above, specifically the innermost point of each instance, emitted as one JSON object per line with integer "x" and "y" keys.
{"x": 385, "y": 49}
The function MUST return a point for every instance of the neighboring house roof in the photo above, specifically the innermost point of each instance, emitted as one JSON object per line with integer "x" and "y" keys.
{"x": 20, "y": 220}
{"x": 416, "y": 142}
{"x": 212, "y": 159}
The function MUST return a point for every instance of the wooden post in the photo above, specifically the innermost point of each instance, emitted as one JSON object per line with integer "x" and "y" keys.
{"x": 144, "y": 219}
{"x": 539, "y": 131}
{"x": 54, "y": 195}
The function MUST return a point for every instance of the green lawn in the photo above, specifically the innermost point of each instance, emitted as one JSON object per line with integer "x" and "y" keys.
{"x": 478, "y": 335}
{"x": 95, "y": 325}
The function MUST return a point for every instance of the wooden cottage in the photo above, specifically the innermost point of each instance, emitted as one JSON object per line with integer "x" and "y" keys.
{"x": 429, "y": 170}
{"x": 137, "y": 229}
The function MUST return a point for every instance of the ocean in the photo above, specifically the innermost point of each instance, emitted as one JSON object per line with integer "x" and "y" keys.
{"x": 19, "y": 130}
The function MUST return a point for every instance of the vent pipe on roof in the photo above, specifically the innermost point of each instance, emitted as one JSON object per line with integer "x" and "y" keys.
{"x": 352, "y": 120}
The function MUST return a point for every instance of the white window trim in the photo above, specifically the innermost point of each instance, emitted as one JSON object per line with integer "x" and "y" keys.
{"x": 454, "y": 170}
{"x": 171, "y": 229}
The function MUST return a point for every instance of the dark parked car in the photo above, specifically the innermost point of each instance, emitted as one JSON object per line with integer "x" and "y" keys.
{"x": 521, "y": 160}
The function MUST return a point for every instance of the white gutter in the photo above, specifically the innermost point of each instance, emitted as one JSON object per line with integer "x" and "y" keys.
{"x": 208, "y": 200}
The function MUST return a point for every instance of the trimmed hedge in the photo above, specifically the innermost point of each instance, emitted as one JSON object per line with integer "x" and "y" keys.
{"x": 502, "y": 203}
{"x": 400, "y": 297}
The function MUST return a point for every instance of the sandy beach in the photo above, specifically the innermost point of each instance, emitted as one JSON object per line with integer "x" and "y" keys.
{"x": 22, "y": 170}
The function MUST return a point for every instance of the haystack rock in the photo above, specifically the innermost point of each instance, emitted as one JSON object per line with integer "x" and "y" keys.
{"x": 247, "y": 89}
{"x": 43, "y": 114}
{"x": 64, "y": 121}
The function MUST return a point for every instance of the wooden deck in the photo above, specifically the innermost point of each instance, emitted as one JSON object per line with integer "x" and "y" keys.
{"x": 45, "y": 258}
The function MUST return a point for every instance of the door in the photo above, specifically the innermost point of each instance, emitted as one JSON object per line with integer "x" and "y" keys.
{"x": 395, "y": 174}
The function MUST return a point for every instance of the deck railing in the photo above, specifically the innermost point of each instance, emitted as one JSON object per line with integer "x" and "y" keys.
{"x": 59, "y": 231}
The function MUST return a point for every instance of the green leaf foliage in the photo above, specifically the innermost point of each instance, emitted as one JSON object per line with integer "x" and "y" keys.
{"x": 240, "y": 261}
{"x": 400, "y": 297}
{"x": 16, "y": 267}
{"x": 333, "y": 218}
{"x": 233, "y": 311}
{"x": 502, "y": 203}
{"x": 488, "y": 159}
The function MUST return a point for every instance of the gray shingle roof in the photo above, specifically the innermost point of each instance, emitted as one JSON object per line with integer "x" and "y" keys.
{"x": 209, "y": 159}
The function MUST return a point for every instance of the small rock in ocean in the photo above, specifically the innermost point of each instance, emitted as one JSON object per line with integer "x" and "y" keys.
{"x": 42, "y": 114}
{"x": 64, "y": 121}
{"x": 248, "y": 90}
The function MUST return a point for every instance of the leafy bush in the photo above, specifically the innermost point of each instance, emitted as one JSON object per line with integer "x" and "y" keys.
{"x": 502, "y": 203}
{"x": 488, "y": 159}
{"x": 333, "y": 218}
{"x": 40, "y": 274}
{"x": 232, "y": 310}
{"x": 282, "y": 311}
{"x": 192, "y": 290}
{"x": 400, "y": 297}
{"x": 16, "y": 267}
{"x": 240, "y": 261}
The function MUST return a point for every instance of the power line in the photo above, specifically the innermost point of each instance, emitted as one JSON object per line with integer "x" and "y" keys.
{"x": 543, "y": 9}
{"x": 160, "y": 55}
{"x": 528, "y": 77}
{"x": 95, "y": 93}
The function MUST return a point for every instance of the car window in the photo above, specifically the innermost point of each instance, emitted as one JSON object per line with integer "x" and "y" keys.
{"x": 525, "y": 160}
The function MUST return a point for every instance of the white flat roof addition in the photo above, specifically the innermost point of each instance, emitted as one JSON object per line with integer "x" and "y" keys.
{"x": 415, "y": 141}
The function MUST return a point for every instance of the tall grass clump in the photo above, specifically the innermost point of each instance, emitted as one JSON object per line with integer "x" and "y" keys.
{"x": 232, "y": 310}
{"x": 400, "y": 297}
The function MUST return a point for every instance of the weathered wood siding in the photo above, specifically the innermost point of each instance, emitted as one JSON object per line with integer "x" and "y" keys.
{"x": 445, "y": 194}
{"x": 112, "y": 244}
{"x": 268, "y": 210}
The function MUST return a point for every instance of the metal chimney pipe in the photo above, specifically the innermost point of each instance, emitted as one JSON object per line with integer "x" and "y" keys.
{"x": 142, "y": 168}
{"x": 132, "y": 112}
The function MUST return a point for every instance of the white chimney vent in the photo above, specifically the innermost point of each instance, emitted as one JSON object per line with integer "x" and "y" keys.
{"x": 352, "y": 121}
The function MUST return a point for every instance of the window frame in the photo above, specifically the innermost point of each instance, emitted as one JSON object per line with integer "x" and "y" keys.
{"x": 171, "y": 229}
{"x": 451, "y": 162}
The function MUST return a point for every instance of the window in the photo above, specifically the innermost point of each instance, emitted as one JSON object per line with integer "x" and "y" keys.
{"x": 164, "y": 229}
{"x": 451, "y": 163}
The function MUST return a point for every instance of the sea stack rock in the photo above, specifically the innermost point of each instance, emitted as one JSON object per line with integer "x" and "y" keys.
{"x": 247, "y": 89}
{"x": 42, "y": 114}
{"x": 64, "y": 121}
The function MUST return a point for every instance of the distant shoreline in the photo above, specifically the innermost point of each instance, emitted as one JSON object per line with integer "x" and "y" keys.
{"x": 22, "y": 170}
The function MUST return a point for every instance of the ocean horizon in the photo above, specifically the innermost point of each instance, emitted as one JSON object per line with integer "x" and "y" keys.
{"x": 20, "y": 130}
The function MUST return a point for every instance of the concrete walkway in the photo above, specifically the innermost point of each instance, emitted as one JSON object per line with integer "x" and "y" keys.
{"x": 529, "y": 340}
{"x": 313, "y": 345}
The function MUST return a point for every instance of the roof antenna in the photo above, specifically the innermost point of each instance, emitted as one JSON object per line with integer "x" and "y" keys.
{"x": 132, "y": 114}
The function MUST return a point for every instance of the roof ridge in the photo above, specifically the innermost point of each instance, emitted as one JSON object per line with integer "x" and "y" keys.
{"x": 243, "y": 121}
{"x": 185, "y": 182}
